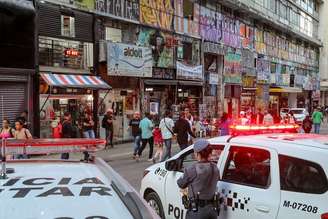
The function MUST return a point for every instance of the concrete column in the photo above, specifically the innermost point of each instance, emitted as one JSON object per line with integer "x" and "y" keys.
{"x": 292, "y": 100}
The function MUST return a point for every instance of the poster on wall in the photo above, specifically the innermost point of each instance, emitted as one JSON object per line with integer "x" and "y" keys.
{"x": 128, "y": 60}
{"x": 154, "y": 108}
{"x": 213, "y": 78}
{"x": 128, "y": 9}
{"x": 189, "y": 72}
{"x": 162, "y": 45}
{"x": 158, "y": 13}
{"x": 263, "y": 71}
{"x": 210, "y": 25}
{"x": 232, "y": 68}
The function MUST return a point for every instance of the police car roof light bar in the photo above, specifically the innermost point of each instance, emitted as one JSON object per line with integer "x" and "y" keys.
{"x": 261, "y": 129}
{"x": 51, "y": 146}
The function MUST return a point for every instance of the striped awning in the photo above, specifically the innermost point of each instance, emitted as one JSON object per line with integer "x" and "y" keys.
{"x": 78, "y": 81}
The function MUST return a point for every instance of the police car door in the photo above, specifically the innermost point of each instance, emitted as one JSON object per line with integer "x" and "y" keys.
{"x": 173, "y": 196}
{"x": 250, "y": 184}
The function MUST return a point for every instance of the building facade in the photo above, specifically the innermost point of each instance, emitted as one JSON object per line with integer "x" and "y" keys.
{"x": 323, "y": 33}
{"x": 209, "y": 56}
{"x": 17, "y": 60}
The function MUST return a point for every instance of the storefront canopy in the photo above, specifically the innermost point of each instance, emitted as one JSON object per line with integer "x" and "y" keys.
{"x": 75, "y": 81}
{"x": 285, "y": 90}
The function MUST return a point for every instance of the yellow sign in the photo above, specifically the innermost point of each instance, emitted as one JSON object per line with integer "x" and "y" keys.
{"x": 158, "y": 13}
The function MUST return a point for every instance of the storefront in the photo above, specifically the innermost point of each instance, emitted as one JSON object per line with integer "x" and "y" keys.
{"x": 248, "y": 93}
{"x": 60, "y": 93}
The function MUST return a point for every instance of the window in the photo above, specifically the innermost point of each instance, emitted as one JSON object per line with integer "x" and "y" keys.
{"x": 297, "y": 175}
{"x": 272, "y": 5}
{"x": 188, "y": 9}
{"x": 67, "y": 26}
{"x": 248, "y": 166}
{"x": 187, "y": 51}
{"x": 283, "y": 11}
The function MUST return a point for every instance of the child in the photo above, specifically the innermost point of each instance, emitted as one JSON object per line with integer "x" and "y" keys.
{"x": 158, "y": 140}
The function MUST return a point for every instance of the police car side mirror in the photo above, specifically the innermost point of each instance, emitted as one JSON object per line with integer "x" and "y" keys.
{"x": 174, "y": 165}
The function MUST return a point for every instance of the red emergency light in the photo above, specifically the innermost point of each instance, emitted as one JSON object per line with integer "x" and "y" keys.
{"x": 261, "y": 129}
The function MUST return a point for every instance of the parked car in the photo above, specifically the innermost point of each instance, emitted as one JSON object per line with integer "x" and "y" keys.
{"x": 299, "y": 114}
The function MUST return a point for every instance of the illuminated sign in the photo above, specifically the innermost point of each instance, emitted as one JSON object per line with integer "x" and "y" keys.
{"x": 71, "y": 52}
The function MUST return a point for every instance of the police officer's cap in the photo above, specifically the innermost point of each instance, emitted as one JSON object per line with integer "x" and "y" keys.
{"x": 200, "y": 145}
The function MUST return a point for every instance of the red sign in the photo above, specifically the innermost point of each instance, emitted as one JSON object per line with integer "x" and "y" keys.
{"x": 71, "y": 52}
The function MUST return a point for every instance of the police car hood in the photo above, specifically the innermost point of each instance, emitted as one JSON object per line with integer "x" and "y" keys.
{"x": 63, "y": 190}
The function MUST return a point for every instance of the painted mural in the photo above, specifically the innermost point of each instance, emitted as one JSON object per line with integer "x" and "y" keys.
{"x": 128, "y": 9}
{"x": 210, "y": 25}
{"x": 230, "y": 33}
{"x": 157, "y": 13}
{"x": 161, "y": 44}
{"x": 232, "y": 67}
{"x": 184, "y": 25}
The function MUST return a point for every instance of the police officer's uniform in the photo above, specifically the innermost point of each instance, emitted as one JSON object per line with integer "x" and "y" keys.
{"x": 201, "y": 179}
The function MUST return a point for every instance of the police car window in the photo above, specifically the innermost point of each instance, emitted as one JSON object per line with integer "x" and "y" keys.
{"x": 189, "y": 158}
{"x": 248, "y": 166}
{"x": 297, "y": 175}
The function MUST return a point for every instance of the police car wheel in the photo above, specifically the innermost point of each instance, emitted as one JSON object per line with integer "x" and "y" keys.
{"x": 155, "y": 203}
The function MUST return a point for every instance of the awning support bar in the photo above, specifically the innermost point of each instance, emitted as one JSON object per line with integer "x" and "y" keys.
{"x": 43, "y": 105}
{"x": 102, "y": 101}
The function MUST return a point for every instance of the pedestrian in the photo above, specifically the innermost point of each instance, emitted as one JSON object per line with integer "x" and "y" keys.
{"x": 317, "y": 118}
{"x": 158, "y": 140}
{"x": 57, "y": 128}
{"x": 21, "y": 133}
{"x": 224, "y": 124}
{"x": 146, "y": 125}
{"x": 259, "y": 117}
{"x": 23, "y": 117}
{"x": 190, "y": 119}
{"x": 267, "y": 118}
{"x": 183, "y": 130}
{"x": 136, "y": 133}
{"x": 68, "y": 131}
{"x": 166, "y": 125}
{"x": 307, "y": 124}
{"x": 200, "y": 179}
{"x": 108, "y": 125}
{"x": 6, "y": 131}
{"x": 243, "y": 120}
{"x": 88, "y": 131}
{"x": 88, "y": 125}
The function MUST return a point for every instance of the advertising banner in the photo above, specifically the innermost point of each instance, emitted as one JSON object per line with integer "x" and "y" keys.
{"x": 128, "y": 9}
{"x": 88, "y": 5}
{"x": 210, "y": 25}
{"x": 189, "y": 72}
{"x": 232, "y": 68}
{"x": 213, "y": 79}
{"x": 263, "y": 71}
{"x": 128, "y": 60}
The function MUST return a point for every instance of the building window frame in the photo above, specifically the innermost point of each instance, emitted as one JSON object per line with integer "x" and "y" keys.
{"x": 67, "y": 23}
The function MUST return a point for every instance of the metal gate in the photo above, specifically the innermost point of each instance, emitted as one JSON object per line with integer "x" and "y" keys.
{"x": 14, "y": 100}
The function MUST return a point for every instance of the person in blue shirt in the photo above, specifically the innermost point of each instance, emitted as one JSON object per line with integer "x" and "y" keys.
{"x": 146, "y": 126}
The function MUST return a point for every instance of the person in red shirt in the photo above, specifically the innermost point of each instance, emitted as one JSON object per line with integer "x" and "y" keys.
{"x": 158, "y": 140}
{"x": 57, "y": 129}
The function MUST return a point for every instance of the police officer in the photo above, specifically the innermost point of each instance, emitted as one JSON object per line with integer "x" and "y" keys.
{"x": 201, "y": 179}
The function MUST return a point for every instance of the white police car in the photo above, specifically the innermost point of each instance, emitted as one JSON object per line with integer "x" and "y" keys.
{"x": 266, "y": 176}
{"x": 57, "y": 189}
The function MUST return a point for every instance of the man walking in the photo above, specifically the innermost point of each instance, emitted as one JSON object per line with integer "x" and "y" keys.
{"x": 317, "y": 118}
{"x": 68, "y": 131}
{"x": 182, "y": 128}
{"x": 146, "y": 126}
{"x": 136, "y": 133}
{"x": 107, "y": 124}
{"x": 166, "y": 125}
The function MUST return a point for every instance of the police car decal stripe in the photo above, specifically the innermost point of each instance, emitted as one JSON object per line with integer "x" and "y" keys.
{"x": 231, "y": 200}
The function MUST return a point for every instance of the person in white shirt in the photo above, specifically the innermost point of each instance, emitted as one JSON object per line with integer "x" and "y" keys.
{"x": 166, "y": 125}
{"x": 242, "y": 118}
{"x": 267, "y": 119}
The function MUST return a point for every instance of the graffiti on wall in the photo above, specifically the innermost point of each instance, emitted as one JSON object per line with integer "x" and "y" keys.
{"x": 230, "y": 34}
{"x": 210, "y": 25}
{"x": 159, "y": 13}
{"x": 232, "y": 67}
{"x": 185, "y": 25}
{"x": 161, "y": 44}
{"x": 128, "y": 9}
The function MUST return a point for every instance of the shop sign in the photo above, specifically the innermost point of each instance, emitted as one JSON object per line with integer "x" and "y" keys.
{"x": 71, "y": 52}
{"x": 128, "y": 60}
{"x": 81, "y": 4}
{"x": 248, "y": 81}
{"x": 161, "y": 44}
{"x": 213, "y": 79}
{"x": 158, "y": 13}
{"x": 127, "y": 9}
{"x": 214, "y": 48}
{"x": 232, "y": 67}
{"x": 210, "y": 25}
{"x": 182, "y": 24}
{"x": 189, "y": 72}
{"x": 163, "y": 73}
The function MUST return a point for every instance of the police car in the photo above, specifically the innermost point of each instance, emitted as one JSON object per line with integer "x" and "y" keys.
{"x": 57, "y": 189}
{"x": 276, "y": 175}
